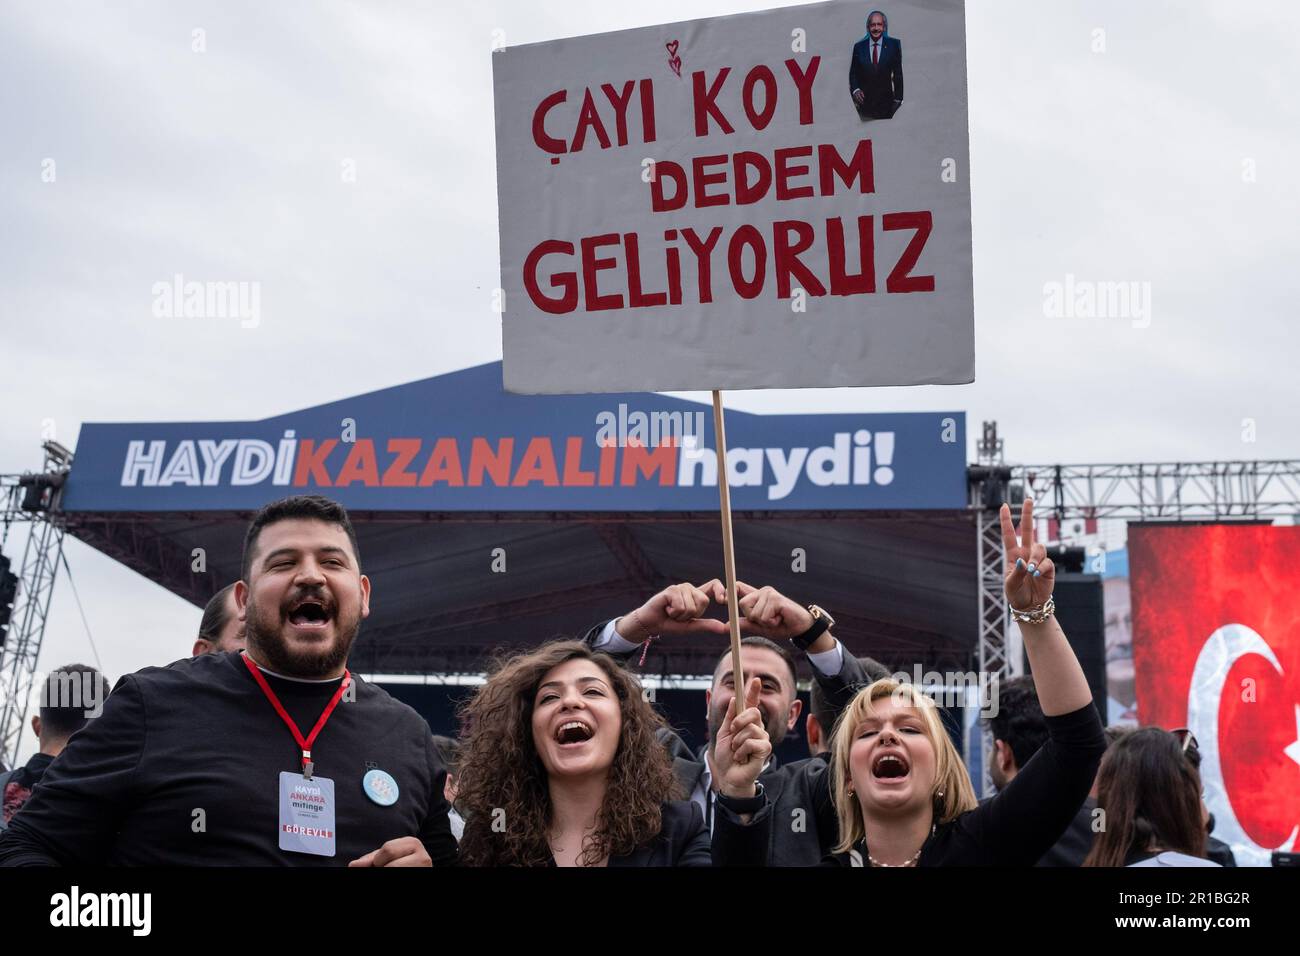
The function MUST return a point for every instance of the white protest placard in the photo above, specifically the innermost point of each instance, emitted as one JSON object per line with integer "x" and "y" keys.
{"x": 751, "y": 201}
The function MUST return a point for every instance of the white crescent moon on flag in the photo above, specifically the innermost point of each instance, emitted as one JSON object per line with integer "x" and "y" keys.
{"x": 1221, "y": 650}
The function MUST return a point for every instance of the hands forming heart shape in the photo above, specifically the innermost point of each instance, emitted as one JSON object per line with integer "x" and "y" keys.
{"x": 679, "y": 609}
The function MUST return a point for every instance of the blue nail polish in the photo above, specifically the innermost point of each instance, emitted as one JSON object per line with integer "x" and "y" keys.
{"x": 1020, "y": 564}
{"x": 1031, "y": 568}
{"x": 1037, "y": 573}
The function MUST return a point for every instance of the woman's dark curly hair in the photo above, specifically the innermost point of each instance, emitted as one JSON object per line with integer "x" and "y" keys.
{"x": 500, "y": 769}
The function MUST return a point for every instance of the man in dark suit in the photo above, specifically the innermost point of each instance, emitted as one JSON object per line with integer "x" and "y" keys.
{"x": 803, "y": 830}
{"x": 876, "y": 71}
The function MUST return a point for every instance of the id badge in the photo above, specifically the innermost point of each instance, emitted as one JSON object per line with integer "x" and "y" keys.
{"x": 307, "y": 814}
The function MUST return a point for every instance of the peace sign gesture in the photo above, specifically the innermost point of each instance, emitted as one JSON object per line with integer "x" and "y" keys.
{"x": 1030, "y": 573}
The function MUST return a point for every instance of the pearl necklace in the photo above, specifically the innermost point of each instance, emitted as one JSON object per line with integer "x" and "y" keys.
{"x": 912, "y": 862}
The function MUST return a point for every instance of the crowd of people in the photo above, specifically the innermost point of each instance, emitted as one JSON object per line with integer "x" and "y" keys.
{"x": 264, "y": 749}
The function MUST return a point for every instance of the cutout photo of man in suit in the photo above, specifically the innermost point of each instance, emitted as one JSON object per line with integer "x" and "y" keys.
{"x": 876, "y": 71}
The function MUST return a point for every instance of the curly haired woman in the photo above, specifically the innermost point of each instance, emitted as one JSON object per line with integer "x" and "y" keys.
{"x": 561, "y": 767}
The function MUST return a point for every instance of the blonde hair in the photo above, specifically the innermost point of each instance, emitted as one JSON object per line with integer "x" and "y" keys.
{"x": 951, "y": 777}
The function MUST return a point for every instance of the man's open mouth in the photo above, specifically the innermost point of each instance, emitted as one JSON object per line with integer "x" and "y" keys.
{"x": 573, "y": 732}
{"x": 890, "y": 766}
{"x": 310, "y": 612}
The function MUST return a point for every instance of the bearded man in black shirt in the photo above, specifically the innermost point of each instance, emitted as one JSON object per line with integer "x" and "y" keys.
{"x": 274, "y": 757}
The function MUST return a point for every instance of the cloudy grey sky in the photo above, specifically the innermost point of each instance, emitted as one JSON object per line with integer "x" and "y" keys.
{"x": 1167, "y": 158}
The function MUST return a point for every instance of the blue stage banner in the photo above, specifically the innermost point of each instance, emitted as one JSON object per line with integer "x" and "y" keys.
{"x": 458, "y": 442}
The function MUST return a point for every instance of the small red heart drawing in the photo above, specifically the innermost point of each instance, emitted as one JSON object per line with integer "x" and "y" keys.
{"x": 674, "y": 60}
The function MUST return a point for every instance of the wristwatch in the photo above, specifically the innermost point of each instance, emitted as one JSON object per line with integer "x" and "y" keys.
{"x": 822, "y": 622}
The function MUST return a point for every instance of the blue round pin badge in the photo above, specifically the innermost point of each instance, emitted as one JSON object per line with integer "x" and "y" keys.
{"x": 380, "y": 787}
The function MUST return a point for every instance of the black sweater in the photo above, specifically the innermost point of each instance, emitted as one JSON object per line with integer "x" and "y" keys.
{"x": 1021, "y": 823}
{"x": 182, "y": 769}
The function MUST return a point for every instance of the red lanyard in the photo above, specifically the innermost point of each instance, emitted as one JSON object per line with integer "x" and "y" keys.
{"x": 304, "y": 743}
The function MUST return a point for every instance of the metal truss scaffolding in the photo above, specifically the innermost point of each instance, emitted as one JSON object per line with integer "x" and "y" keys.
{"x": 32, "y": 499}
{"x": 1168, "y": 491}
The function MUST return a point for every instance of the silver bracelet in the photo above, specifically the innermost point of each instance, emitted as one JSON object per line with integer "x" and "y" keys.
{"x": 1034, "y": 615}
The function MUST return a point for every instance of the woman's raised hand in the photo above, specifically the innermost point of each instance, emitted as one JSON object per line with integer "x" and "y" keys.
{"x": 1030, "y": 572}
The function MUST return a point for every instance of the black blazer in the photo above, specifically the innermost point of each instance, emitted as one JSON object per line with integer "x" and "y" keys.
{"x": 683, "y": 840}
{"x": 798, "y": 826}
{"x": 881, "y": 84}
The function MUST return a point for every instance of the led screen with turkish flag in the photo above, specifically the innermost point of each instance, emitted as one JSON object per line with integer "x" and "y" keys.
{"x": 1216, "y": 648}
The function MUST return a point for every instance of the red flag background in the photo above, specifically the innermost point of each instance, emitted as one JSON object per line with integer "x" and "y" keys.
{"x": 1216, "y": 647}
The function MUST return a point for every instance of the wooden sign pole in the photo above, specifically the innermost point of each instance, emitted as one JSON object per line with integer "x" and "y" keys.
{"x": 728, "y": 552}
